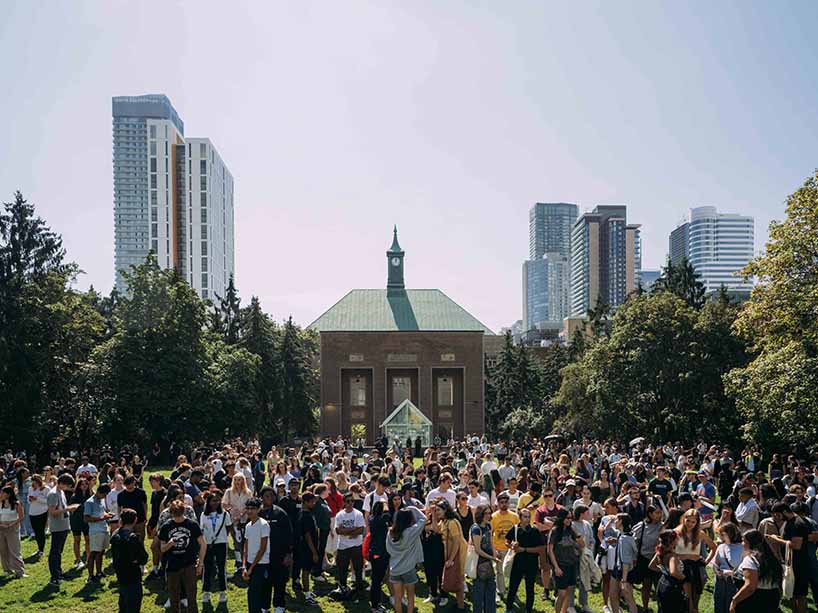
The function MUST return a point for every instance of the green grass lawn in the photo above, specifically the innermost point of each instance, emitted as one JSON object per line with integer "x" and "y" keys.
{"x": 34, "y": 594}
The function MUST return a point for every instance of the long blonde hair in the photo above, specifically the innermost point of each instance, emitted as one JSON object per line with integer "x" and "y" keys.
{"x": 241, "y": 488}
{"x": 689, "y": 537}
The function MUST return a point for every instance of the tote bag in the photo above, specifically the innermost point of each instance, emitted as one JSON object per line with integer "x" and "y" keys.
{"x": 508, "y": 561}
{"x": 788, "y": 581}
{"x": 471, "y": 562}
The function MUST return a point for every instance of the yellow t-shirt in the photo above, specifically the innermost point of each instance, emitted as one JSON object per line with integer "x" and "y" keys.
{"x": 501, "y": 523}
{"x": 526, "y": 501}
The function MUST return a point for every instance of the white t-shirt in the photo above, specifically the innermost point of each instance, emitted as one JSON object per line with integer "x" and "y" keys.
{"x": 88, "y": 470}
{"x": 112, "y": 502}
{"x": 353, "y": 519}
{"x": 436, "y": 494}
{"x": 38, "y": 501}
{"x": 749, "y": 563}
{"x": 513, "y": 498}
{"x": 371, "y": 498}
{"x": 476, "y": 501}
{"x": 254, "y": 533}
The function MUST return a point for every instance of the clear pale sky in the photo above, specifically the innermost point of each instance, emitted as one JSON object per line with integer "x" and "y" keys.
{"x": 340, "y": 119}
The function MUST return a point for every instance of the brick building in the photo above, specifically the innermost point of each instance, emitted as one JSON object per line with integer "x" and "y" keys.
{"x": 380, "y": 347}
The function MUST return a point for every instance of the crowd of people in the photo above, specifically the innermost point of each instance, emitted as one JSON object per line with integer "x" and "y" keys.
{"x": 642, "y": 523}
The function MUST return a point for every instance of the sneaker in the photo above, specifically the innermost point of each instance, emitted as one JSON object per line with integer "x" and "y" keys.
{"x": 310, "y": 599}
{"x": 545, "y": 595}
{"x": 442, "y": 602}
{"x": 405, "y": 601}
{"x": 183, "y": 602}
{"x": 167, "y": 604}
{"x": 39, "y": 554}
{"x": 54, "y": 583}
{"x": 571, "y": 610}
{"x": 606, "y": 609}
{"x": 22, "y": 575}
{"x": 427, "y": 600}
{"x": 205, "y": 597}
{"x": 79, "y": 565}
{"x": 222, "y": 597}
{"x": 278, "y": 610}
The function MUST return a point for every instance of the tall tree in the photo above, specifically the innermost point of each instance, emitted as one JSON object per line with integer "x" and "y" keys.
{"x": 226, "y": 316}
{"x": 260, "y": 336}
{"x": 777, "y": 393}
{"x": 681, "y": 280}
{"x": 298, "y": 376}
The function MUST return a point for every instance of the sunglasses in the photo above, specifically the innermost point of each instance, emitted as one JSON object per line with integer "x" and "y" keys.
{"x": 548, "y": 495}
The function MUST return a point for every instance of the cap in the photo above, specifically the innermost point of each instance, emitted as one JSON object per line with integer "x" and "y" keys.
{"x": 702, "y": 473}
{"x": 570, "y": 482}
{"x": 502, "y": 496}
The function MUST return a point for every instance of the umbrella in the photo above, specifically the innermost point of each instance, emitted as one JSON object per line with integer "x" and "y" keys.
{"x": 637, "y": 441}
{"x": 553, "y": 437}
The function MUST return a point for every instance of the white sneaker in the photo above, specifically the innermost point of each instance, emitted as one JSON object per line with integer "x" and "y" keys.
{"x": 183, "y": 602}
{"x": 606, "y": 609}
{"x": 405, "y": 601}
{"x": 278, "y": 610}
{"x": 571, "y": 610}
{"x": 442, "y": 602}
{"x": 427, "y": 600}
{"x": 167, "y": 604}
{"x": 222, "y": 597}
{"x": 205, "y": 597}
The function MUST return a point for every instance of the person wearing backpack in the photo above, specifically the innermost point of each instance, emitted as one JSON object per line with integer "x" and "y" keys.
{"x": 215, "y": 523}
{"x": 129, "y": 555}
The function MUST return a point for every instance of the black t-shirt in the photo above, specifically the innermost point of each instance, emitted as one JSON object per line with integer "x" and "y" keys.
{"x": 306, "y": 525}
{"x": 794, "y": 528}
{"x": 526, "y": 537}
{"x": 136, "y": 500}
{"x": 185, "y": 536}
{"x": 660, "y": 487}
{"x": 156, "y": 502}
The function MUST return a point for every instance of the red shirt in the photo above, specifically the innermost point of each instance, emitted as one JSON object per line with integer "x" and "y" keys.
{"x": 335, "y": 502}
{"x": 544, "y": 512}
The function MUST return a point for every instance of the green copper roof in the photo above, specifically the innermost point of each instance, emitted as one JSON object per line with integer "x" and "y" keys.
{"x": 395, "y": 248}
{"x": 380, "y": 310}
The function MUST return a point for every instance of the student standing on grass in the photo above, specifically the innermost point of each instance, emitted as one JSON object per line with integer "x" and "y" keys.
{"x": 129, "y": 556}
{"x": 215, "y": 524}
{"x": 38, "y": 511}
{"x": 97, "y": 516}
{"x": 79, "y": 527}
{"x": 307, "y": 552}
{"x": 133, "y": 497}
{"x": 183, "y": 546}
{"x": 281, "y": 549}
{"x": 257, "y": 559}
{"x": 527, "y": 544}
{"x": 59, "y": 523}
{"x": 405, "y": 553}
{"x": 11, "y": 517}
{"x": 349, "y": 524}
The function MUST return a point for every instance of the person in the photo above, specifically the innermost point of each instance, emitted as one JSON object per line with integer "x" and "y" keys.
{"x": 747, "y": 514}
{"x": 527, "y": 544}
{"x": 624, "y": 570}
{"x": 379, "y": 524}
{"x": 454, "y": 552}
{"x": 379, "y": 492}
{"x": 38, "y": 511}
{"x": 79, "y": 527}
{"x": 214, "y": 523}
{"x": 761, "y": 573}
{"x": 433, "y": 557}
{"x": 689, "y": 547}
{"x": 582, "y": 525}
{"x": 544, "y": 518}
{"x": 158, "y": 494}
{"x": 443, "y": 490}
{"x": 405, "y": 553}
{"x": 291, "y": 505}
{"x": 646, "y": 534}
{"x": 133, "y": 497}
{"x": 256, "y": 556}
{"x": 234, "y": 502}
{"x": 349, "y": 525}
{"x": 512, "y": 491}
{"x": 11, "y": 518}
{"x": 725, "y": 563}
{"x": 564, "y": 550}
{"x": 670, "y": 593}
{"x": 307, "y": 551}
{"x": 97, "y": 516}
{"x": 129, "y": 556}
{"x": 502, "y": 521}
{"x": 796, "y": 535}
{"x": 184, "y": 548}
{"x": 59, "y": 523}
{"x": 281, "y": 546}
{"x": 475, "y": 498}
{"x": 484, "y": 585}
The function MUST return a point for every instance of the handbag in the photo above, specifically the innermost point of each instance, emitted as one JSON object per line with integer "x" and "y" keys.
{"x": 471, "y": 562}
{"x": 365, "y": 546}
{"x": 788, "y": 580}
{"x": 508, "y": 560}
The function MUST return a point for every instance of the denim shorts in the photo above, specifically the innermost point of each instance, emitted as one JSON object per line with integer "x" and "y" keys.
{"x": 409, "y": 578}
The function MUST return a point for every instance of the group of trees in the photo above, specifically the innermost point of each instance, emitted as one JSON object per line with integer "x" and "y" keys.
{"x": 674, "y": 364}
{"x": 156, "y": 364}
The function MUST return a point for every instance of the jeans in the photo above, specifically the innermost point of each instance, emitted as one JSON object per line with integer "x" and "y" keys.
{"x": 723, "y": 593}
{"x": 25, "y": 527}
{"x": 342, "y": 559}
{"x": 55, "y": 554}
{"x": 130, "y": 598}
{"x": 176, "y": 579}
{"x": 323, "y": 537}
{"x": 38, "y": 523}
{"x": 280, "y": 574}
{"x": 483, "y": 595}
{"x": 583, "y": 595}
{"x": 380, "y": 565}
{"x": 214, "y": 563}
{"x": 259, "y": 589}
{"x": 518, "y": 573}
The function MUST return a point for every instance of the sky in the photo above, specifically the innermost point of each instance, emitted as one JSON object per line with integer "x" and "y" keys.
{"x": 449, "y": 119}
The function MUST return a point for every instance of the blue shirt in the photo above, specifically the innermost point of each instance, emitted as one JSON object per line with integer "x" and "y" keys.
{"x": 94, "y": 507}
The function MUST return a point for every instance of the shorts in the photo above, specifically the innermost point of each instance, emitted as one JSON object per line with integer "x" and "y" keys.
{"x": 77, "y": 530}
{"x": 568, "y": 579}
{"x": 305, "y": 561}
{"x": 644, "y": 572}
{"x": 409, "y": 578}
{"x": 99, "y": 541}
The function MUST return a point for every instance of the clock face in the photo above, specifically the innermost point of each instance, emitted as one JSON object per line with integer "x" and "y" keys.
{"x": 395, "y": 261}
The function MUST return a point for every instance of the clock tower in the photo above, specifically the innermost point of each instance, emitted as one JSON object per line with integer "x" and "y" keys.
{"x": 394, "y": 259}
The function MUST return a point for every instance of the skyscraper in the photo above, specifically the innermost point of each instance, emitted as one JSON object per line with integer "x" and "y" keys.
{"x": 606, "y": 258}
{"x": 718, "y": 245}
{"x": 546, "y": 274}
{"x": 172, "y": 196}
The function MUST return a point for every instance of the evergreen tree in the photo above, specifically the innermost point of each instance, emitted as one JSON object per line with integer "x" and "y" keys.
{"x": 298, "y": 383}
{"x": 683, "y": 281}
{"x": 226, "y": 316}
{"x": 260, "y": 336}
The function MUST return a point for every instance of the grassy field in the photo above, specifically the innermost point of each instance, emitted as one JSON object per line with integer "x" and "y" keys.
{"x": 34, "y": 594}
